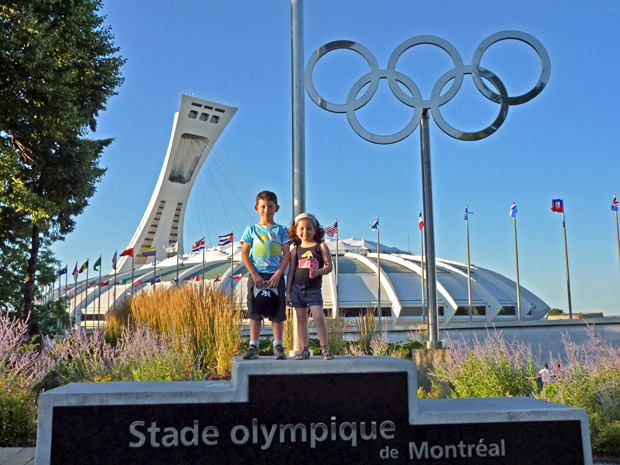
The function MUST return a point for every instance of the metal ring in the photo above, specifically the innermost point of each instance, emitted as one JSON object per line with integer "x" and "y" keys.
{"x": 486, "y": 132}
{"x": 428, "y": 40}
{"x": 538, "y": 47}
{"x": 324, "y": 50}
{"x": 416, "y": 96}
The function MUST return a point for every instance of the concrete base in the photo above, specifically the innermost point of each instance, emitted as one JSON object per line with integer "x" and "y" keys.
{"x": 380, "y": 389}
{"x": 425, "y": 360}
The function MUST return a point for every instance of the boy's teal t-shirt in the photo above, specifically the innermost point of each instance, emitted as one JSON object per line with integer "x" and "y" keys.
{"x": 266, "y": 243}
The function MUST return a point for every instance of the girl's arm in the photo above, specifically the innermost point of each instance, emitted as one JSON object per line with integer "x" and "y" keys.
{"x": 291, "y": 274}
{"x": 327, "y": 263}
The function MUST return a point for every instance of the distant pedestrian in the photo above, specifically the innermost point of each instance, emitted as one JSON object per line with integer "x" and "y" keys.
{"x": 545, "y": 374}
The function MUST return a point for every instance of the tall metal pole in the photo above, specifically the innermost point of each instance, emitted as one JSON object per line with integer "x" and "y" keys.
{"x": 337, "y": 276}
{"x": 514, "y": 221}
{"x": 427, "y": 190}
{"x": 617, "y": 235}
{"x": 570, "y": 307}
{"x": 422, "y": 266}
{"x": 299, "y": 142}
{"x": 379, "y": 312}
{"x": 468, "y": 265}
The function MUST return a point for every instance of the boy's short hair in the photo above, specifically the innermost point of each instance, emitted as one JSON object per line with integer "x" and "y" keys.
{"x": 267, "y": 195}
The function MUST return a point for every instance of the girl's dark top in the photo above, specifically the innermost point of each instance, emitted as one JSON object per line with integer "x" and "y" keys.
{"x": 308, "y": 258}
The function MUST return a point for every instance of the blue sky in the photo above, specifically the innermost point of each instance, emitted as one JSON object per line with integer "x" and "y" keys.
{"x": 564, "y": 143}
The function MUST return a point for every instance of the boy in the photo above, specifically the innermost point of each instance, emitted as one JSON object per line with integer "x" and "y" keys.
{"x": 266, "y": 254}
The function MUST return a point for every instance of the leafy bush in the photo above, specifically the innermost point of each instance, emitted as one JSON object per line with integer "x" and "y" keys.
{"x": 491, "y": 368}
{"x": 18, "y": 416}
{"x": 589, "y": 378}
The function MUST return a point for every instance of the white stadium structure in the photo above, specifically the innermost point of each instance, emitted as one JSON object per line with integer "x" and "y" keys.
{"x": 351, "y": 291}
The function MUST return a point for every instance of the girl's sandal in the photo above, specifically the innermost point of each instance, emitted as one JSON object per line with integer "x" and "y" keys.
{"x": 326, "y": 353}
{"x": 303, "y": 354}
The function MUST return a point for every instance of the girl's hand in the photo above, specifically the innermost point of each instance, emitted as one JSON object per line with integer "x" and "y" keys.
{"x": 313, "y": 273}
{"x": 288, "y": 301}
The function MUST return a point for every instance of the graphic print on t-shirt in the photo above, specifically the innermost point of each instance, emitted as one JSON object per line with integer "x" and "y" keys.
{"x": 307, "y": 260}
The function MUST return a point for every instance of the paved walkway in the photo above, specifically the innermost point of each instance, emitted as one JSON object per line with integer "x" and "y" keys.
{"x": 17, "y": 455}
{"x": 25, "y": 456}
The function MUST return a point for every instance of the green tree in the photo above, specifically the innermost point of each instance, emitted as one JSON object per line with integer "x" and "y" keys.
{"x": 58, "y": 67}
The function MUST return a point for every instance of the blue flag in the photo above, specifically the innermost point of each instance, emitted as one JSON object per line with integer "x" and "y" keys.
{"x": 513, "y": 209}
{"x": 375, "y": 225}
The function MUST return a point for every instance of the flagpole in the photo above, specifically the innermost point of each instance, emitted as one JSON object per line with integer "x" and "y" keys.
{"x": 617, "y": 233}
{"x": 514, "y": 222}
{"x": 422, "y": 267}
{"x": 177, "y": 265}
{"x": 132, "y": 267}
{"x": 114, "y": 290}
{"x": 232, "y": 263}
{"x": 379, "y": 309}
{"x": 570, "y": 307}
{"x": 337, "y": 275}
{"x": 86, "y": 303}
{"x": 154, "y": 267}
{"x": 468, "y": 265}
{"x": 99, "y": 296}
{"x": 75, "y": 275}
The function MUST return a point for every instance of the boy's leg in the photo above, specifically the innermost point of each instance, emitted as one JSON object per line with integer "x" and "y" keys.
{"x": 255, "y": 326}
{"x": 278, "y": 330}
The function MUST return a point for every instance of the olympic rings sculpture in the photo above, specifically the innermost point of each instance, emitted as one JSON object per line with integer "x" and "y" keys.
{"x": 415, "y": 100}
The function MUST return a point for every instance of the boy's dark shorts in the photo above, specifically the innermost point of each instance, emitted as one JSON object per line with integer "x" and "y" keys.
{"x": 280, "y": 315}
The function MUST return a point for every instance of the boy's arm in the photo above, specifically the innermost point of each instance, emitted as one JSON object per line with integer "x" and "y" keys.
{"x": 327, "y": 263}
{"x": 247, "y": 261}
{"x": 275, "y": 279}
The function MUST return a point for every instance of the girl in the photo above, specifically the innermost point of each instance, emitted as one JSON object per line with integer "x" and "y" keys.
{"x": 310, "y": 260}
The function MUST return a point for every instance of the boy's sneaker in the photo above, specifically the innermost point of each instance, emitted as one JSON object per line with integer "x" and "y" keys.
{"x": 278, "y": 353}
{"x": 251, "y": 353}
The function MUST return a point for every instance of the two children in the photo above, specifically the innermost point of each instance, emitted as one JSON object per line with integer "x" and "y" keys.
{"x": 266, "y": 253}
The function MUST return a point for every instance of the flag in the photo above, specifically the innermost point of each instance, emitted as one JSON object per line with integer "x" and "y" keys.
{"x": 198, "y": 245}
{"x": 332, "y": 230}
{"x": 217, "y": 280}
{"x": 226, "y": 239}
{"x": 105, "y": 283}
{"x": 75, "y": 271}
{"x": 84, "y": 266}
{"x": 149, "y": 251}
{"x": 158, "y": 280}
{"x": 513, "y": 209}
{"x": 467, "y": 213}
{"x": 197, "y": 277}
{"x": 421, "y": 222}
{"x": 236, "y": 277}
{"x": 79, "y": 286}
{"x": 375, "y": 225}
{"x": 172, "y": 248}
{"x": 92, "y": 283}
{"x": 557, "y": 205}
{"x": 114, "y": 260}
{"x": 62, "y": 271}
{"x": 138, "y": 283}
{"x": 128, "y": 252}
{"x": 614, "y": 205}
{"x": 97, "y": 263}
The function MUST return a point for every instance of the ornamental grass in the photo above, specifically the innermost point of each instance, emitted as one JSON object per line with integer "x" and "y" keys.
{"x": 205, "y": 318}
